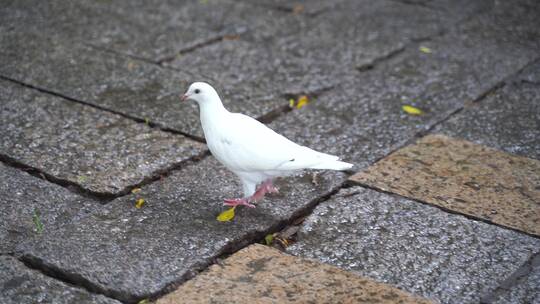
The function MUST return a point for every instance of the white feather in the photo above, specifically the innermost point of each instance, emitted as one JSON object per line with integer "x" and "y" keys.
{"x": 250, "y": 149}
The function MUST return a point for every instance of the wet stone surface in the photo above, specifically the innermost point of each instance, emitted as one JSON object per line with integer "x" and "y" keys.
{"x": 28, "y": 201}
{"x": 362, "y": 116}
{"x": 463, "y": 177}
{"x": 19, "y": 284}
{"x": 269, "y": 276}
{"x": 416, "y": 247}
{"x": 508, "y": 119}
{"x": 132, "y": 253}
{"x": 100, "y": 151}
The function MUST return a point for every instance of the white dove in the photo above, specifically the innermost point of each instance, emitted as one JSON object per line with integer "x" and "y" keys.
{"x": 251, "y": 150}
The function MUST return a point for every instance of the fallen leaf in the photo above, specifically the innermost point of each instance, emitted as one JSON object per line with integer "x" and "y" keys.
{"x": 135, "y": 190}
{"x": 297, "y": 9}
{"x": 291, "y": 103}
{"x": 268, "y": 239}
{"x": 231, "y": 37}
{"x": 36, "y": 218}
{"x": 302, "y": 101}
{"x": 131, "y": 65}
{"x": 139, "y": 203}
{"x": 412, "y": 110}
{"x": 203, "y": 1}
{"x": 147, "y": 121}
{"x": 144, "y": 301}
{"x": 425, "y": 49}
{"x": 81, "y": 179}
{"x": 226, "y": 215}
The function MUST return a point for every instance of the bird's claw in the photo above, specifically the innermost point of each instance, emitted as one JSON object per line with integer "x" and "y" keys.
{"x": 233, "y": 202}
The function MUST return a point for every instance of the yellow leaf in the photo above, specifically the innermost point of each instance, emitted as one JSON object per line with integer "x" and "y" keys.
{"x": 425, "y": 49}
{"x": 226, "y": 215}
{"x": 412, "y": 110}
{"x": 139, "y": 203}
{"x": 302, "y": 101}
{"x": 291, "y": 103}
{"x": 135, "y": 190}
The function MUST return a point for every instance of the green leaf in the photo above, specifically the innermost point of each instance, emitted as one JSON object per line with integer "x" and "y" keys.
{"x": 36, "y": 218}
{"x": 269, "y": 238}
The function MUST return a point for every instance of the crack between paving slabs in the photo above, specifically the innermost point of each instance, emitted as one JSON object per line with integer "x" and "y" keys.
{"x": 127, "y": 116}
{"x": 245, "y": 241}
{"x": 73, "y": 279}
{"x": 512, "y": 280}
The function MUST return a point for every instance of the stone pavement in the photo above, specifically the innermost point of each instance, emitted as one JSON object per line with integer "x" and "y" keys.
{"x": 442, "y": 207}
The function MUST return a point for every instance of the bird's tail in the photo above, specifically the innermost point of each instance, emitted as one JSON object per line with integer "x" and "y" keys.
{"x": 333, "y": 165}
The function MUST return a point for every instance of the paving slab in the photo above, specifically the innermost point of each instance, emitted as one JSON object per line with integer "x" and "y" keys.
{"x": 527, "y": 287}
{"x": 28, "y": 201}
{"x": 19, "y": 284}
{"x": 265, "y": 275}
{"x": 320, "y": 51}
{"x": 134, "y": 88}
{"x": 153, "y": 31}
{"x": 362, "y": 117}
{"x": 508, "y": 119}
{"x": 100, "y": 151}
{"x": 132, "y": 253}
{"x": 416, "y": 247}
{"x": 463, "y": 177}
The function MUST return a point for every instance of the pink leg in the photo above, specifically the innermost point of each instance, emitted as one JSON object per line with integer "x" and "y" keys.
{"x": 266, "y": 187}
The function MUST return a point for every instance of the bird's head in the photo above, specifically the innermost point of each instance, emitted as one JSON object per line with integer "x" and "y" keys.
{"x": 201, "y": 92}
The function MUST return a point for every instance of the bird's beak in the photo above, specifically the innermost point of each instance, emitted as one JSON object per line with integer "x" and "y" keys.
{"x": 184, "y": 97}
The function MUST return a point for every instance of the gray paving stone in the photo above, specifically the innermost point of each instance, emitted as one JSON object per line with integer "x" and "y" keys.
{"x": 103, "y": 152}
{"x": 362, "y": 116}
{"x": 325, "y": 48}
{"x": 418, "y": 248}
{"x": 153, "y": 31}
{"x": 132, "y": 253}
{"x": 23, "y": 196}
{"x": 508, "y": 119}
{"x": 18, "y": 284}
{"x": 526, "y": 289}
{"x": 134, "y": 88}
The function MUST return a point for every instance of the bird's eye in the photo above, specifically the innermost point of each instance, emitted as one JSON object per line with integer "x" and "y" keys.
{"x": 197, "y": 91}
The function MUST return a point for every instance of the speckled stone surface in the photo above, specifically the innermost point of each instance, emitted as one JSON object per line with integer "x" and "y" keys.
{"x": 262, "y": 274}
{"x": 23, "y": 195}
{"x": 19, "y": 284}
{"x": 325, "y": 47}
{"x": 362, "y": 116}
{"x": 416, "y": 247}
{"x": 463, "y": 177}
{"x": 132, "y": 253}
{"x": 153, "y": 31}
{"x": 526, "y": 289}
{"x": 508, "y": 119}
{"x": 100, "y": 151}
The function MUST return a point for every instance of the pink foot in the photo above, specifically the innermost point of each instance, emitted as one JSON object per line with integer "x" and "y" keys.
{"x": 266, "y": 187}
{"x": 233, "y": 202}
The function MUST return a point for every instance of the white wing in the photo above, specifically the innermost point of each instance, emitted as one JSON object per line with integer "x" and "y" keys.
{"x": 248, "y": 145}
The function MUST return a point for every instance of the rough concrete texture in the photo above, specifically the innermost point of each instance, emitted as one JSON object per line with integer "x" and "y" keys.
{"x": 526, "y": 287}
{"x": 508, "y": 119}
{"x": 269, "y": 276}
{"x": 362, "y": 116}
{"x": 100, "y": 151}
{"x": 19, "y": 284}
{"x": 417, "y": 247}
{"x": 318, "y": 54}
{"x": 132, "y": 253}
{"x": 134, "y": 88}
{"x": 28, "y": 201}
{"x": 463, "y": 177}
{"x": 153, "y": 31}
